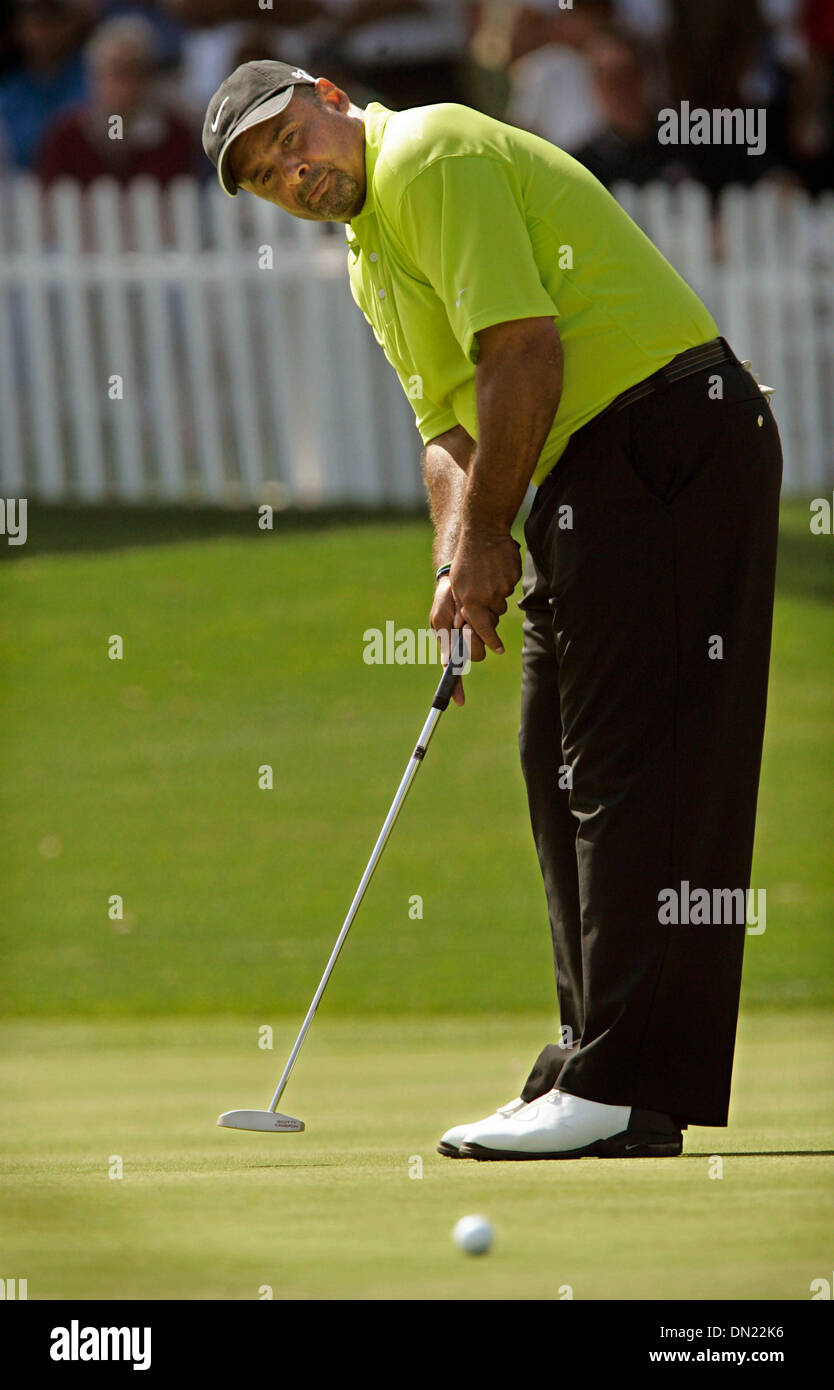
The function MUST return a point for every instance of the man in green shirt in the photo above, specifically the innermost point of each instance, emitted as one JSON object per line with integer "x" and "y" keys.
{"x": 540, "y": 337}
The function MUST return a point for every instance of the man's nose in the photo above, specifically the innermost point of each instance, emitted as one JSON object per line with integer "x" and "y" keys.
{"x": 298, "y": 172}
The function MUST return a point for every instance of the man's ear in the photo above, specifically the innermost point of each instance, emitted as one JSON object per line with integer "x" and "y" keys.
{"x": 331, "y": 95}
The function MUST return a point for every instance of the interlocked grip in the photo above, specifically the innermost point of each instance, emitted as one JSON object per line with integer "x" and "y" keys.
{"x": 458, "y": 658}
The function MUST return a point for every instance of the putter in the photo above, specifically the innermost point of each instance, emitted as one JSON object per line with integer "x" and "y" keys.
{"x": 271, "y": 1121}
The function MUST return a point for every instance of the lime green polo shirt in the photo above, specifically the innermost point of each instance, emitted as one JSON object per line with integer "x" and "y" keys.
{"x": 468, "y": 222}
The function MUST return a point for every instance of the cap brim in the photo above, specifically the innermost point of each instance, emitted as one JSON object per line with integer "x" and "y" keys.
{"x": 273, "y": 107}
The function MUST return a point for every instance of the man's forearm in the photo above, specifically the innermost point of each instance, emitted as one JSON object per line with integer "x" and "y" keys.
{"x": 445, "y": 461}
{"x": 519, "y": 384}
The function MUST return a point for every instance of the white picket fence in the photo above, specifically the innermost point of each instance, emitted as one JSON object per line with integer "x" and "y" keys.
{"x": 148, "y": 355}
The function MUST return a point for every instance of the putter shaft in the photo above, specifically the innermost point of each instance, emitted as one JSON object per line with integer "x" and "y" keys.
{"x": 457, "y": 661}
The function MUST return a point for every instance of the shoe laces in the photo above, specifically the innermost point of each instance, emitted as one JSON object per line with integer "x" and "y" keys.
{"x": 511, "y": 1107}
{"x": 551, "y": 1098}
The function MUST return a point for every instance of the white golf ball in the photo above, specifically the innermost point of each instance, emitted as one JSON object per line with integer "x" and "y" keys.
{"x": 473, "y": 1234}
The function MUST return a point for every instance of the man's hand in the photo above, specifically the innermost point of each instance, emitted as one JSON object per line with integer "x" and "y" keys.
{"x": 476, "y": 490}
{"x": 485, "y": 570}
{"x": 518, "y": 382}
{"x": 445, "y": 615}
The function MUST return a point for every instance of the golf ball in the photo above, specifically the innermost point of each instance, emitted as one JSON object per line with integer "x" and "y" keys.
{"x": 473, "y": 1234}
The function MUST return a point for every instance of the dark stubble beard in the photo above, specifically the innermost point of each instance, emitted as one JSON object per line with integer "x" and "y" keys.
{"x": 338, "y": 200}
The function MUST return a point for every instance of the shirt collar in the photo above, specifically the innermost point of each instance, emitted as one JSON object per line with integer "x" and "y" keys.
{"x": 376, "y": 117}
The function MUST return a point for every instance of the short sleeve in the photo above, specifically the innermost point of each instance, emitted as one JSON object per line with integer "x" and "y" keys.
{"x": 462, "y": 223}
{"x": 431, "y": 419}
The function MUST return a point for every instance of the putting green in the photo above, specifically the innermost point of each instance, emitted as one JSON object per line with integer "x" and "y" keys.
{"x": 338, "y": 1212}
{"x": 125, "y": 1035}
{"x": 139, "y": 778}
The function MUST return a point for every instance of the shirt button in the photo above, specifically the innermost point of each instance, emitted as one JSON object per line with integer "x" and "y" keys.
{"x": 381, "y": 293}
{"x": 373, "y": 256}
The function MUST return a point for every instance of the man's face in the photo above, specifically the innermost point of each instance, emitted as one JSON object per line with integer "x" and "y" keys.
{"x": 120, "y": 80}
{"x": 309, "y": 160}
{"x": 619, "y": 79}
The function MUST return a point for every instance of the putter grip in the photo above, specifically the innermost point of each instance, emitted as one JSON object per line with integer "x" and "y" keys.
{"x": 457, "y": 661}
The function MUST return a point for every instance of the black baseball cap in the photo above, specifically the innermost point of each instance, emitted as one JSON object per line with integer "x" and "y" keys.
{"x": 254, "y": 92}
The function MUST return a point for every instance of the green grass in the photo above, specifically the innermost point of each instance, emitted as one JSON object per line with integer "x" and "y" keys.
{"x": 241, "y": 648}
{"x": 126, "y": 1038}
{"x": 205, "y": 1213}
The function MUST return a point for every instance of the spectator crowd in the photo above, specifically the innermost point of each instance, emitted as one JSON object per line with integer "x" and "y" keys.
{"x": 119, "y": 87}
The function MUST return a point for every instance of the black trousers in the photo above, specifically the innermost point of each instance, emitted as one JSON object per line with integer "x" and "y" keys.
{"x": 648, "y": 603}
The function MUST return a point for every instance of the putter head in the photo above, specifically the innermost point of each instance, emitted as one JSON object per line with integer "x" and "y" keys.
{"x": 267, "y": 1121}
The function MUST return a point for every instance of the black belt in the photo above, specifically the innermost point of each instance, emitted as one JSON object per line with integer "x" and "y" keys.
{"x": 696, "y": 359}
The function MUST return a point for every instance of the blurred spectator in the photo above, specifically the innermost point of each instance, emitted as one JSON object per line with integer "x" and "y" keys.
{"x": 709, "y": 49}
{"x": 49, "y": 76}
{"x": 811, "y": 101}
{"x": 215, "y": 31}
{"x": 551, "y": 89}
{"x": 8, "y": 53}
{"x": 407, "y": 52}
{"x": 166, "y": 27}
{"x": 150, "y": 138}
{"x": 646, "y": 19}
{"x": 712, "y": 51}
{"x": 410, "y": 51}
{"x": 791, "y": 77}
{"x": 255, "y": 41}
{"x": 627, "y": 149}
{"x": 591, "y": 78}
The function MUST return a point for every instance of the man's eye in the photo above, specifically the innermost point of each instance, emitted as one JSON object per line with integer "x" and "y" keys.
{"x": 266, "y": 176}
{"x": 288, "y": 137}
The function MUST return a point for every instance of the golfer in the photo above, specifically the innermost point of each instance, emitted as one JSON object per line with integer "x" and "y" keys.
{"x": 542, "y": 338}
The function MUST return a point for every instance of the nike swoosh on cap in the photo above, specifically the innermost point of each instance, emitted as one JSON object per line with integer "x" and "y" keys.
{"x": 216, "y": 120}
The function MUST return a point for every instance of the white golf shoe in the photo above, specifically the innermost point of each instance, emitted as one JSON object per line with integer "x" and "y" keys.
{"x": 560, "y": 1125}
{"x": 451, "y": 1141}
